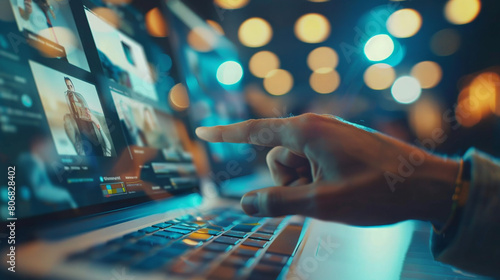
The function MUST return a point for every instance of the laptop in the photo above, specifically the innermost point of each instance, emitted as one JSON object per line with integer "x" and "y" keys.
{"x": 97, "y": 150}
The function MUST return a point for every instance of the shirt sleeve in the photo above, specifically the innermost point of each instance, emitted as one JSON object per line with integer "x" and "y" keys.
{"x": 472, "y": 243}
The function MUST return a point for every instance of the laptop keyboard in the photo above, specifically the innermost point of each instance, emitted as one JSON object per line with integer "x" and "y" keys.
{"x": 221, "y": 244}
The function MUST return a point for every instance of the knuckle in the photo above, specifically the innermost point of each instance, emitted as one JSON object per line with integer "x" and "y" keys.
{"x": 311, "y": 125}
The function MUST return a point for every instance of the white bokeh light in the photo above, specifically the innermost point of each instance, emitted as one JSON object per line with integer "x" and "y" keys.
{"x": 379, "y": 47}
{"x": 229, "y": 73}
{"x": 406, "y": 90}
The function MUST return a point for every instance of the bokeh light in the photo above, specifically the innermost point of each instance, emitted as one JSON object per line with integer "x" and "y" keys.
{"x": 255, "y": 32}
{"x": 263, "y": 62}
{"x": 324, "y": 80}
{"x": 404, "y": 23}
{"x": 178, "y": 97}
{"x": 231, "y": 4}
{"x": 462, "y": 11}
{"x": 278, "y": 82}
{"x": 428, "y": 73}
{"x": 479, "y": 100}
{"x": 156, "y": 24}
{"x": 216, "y": 26}
{"x": 229, "y": 73}
{"x": 406, "y": 90}
{"x": 322, "y": 57}
{"x": 312, "y": 28}
{"x": 445, "y": 42}
{"x": 379, "y": 47}
{"x": 379, "y": 76}
{"x": 65, "y": 37}
{"x": 202, "y": 39}
{"x": 425, "y": 117}
{"x": 108, "y": 15}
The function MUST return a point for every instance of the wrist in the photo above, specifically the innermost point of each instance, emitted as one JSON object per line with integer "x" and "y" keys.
{"x": 436, "y": 187}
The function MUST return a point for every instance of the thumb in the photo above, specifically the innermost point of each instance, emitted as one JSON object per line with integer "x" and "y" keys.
{"x": 280, "y": 201}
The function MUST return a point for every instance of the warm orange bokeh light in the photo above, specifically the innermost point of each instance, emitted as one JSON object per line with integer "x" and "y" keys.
{"x": 479, "y": 99}
{"x": 178, "y": 97}
{"x": 156, "y": 24}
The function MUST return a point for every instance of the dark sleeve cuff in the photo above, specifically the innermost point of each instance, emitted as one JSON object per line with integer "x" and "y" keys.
{"x": 472, "y": 242}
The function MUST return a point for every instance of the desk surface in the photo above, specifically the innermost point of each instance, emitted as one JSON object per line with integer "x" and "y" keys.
{"x": 335, "y": 251}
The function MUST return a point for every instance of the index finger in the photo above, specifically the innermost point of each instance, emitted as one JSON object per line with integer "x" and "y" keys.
{"x": 264, "y": 132}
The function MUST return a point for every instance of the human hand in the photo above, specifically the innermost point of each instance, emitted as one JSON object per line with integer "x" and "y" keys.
{"x": 333, "y": 170}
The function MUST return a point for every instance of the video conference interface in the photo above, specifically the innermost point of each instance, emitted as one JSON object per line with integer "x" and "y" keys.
{"x": 80, "y": 114}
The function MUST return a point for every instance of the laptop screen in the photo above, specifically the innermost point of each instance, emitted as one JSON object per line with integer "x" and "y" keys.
{"x": 84, "y": 120}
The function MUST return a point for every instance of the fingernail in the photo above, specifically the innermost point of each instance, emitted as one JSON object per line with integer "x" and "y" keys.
{"x": 202, "y": 132}
{"x": 250, "y": 203}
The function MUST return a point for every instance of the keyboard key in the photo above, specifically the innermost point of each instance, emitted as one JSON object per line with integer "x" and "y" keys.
{"x": 149, "y": 229}
{"x": 261, "y": 236}
{"x": 286, "y": 241}
{"x": 135, "y": 234}
{"x": 177, "y": 230}
{"x": 251, "y": 220}
{"x": 153, "y": 241}
{"x": 237, "y": 261}
{"x": 208, "y": 231}
{"x": 186, "y": 244}
{"x": 173, "y": 222}
{"x": 245, "y": 227}
{"x": 247, "y": 252}
{"x": 255, "y": 243}
{"x": 161, "y": 225}
{"x": 237, "y": 234}
{"x": 222, "y": 224}
{"x": 266, "y": 230}
{"x": 184, "y": 267}
{"x": 190, "y": 225}
{"x": 204, "y": 256}
{"x": 200, "y": 236}
{"x": 227, "y": 240}
{"x": 168, "y": 234}
{"x": 217, "y": 247}
{"x": 180, "y": 226}
{"x": 200, "y": 223}
{"x": 274, "y": 259}
{"x": 223, "y": 273}
{"x": 274, "y": 221}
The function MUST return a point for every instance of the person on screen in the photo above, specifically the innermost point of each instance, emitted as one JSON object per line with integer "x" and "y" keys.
{"x": 82, "y": 127}
{"x": 330, "y": 169}
{"x": 37, "y": 14}
{"x": 133, "y": 135}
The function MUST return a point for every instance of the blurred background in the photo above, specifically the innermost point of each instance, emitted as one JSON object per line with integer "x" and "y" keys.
{"x": 422, "y": 71}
